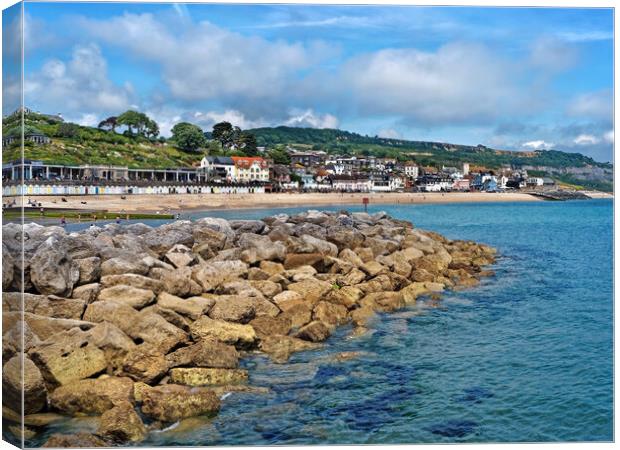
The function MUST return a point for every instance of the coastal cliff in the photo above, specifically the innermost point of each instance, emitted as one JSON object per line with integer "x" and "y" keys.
{"x": 143, "y": 327}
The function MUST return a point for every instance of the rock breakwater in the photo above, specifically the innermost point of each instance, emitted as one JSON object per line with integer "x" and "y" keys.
{"x": 143, "y": 327}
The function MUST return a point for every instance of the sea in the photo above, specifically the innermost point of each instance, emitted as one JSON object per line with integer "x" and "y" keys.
{"x": 525, "y": 357}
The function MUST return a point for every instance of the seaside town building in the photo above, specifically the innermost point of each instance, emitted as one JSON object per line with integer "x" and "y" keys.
{"x": 250, "y": 168}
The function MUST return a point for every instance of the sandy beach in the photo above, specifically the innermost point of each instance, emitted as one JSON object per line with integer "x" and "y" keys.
{"x": 174, "y": 203}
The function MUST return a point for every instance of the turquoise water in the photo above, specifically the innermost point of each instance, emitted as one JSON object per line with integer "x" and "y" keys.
{"x": 527, "y": 356}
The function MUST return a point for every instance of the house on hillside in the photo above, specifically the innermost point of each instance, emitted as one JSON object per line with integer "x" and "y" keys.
{"x": 250, "y": 168}
{"x": 351, "y": 183}
{"x": 218, "y": 167}
{"x": 435, "y": 183}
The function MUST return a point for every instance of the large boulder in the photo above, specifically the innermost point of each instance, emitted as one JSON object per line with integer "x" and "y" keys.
{"x": 233, "y": 308}
{"x": 171, "y": 402}
{"x": 87, "y": 292}
{"x": 180, "y": 256}
{"x": 121, "y": 424}
{"x": 347, "y": 296}
{"x": 68, "y": 356}
{"x": 113, "y": 342}
{"x": 215, "y": 224}
{"x": 266, "y": 325}
{"x": 202, "y": 376}
{"x": 287, "y": 299}
{"x": 142, "y": 327}
{"x": 14, "y": 336}
{"x": 257, "y": 248}
{"x": 241, "y": 336}
{"x": 179, "y": 282}
{"x": 330, "y": 313}
{"x": 344, "y": 237}
{"x": 205, "y": 353}
{"x": 90, "y": 269}
{"x": 160, "y": 240}
{"x": 52, "y": 271}
{"x": 135, "y": 297}
{"x": 384, "y": 301}
{"x": 43, "y": 305}
{"x": 315, "y": 331}
{"x": 23, "y": 378}
{"x": 137, "y": 281}
{"x": 77, "y": 440}
{"x": 144, "y": 364}
{"x": 43, "y": 326}
{"x": 280, "y": 347}
{"x": 8, "y": 267}
{"x": 92, "y": 396}
{"x": 247, "y": 226}
{"x": 311, "y": 289}
{"x": 214, "y": 273}
{"x": 121, "y": 265}
{"x": 193, "y": 307}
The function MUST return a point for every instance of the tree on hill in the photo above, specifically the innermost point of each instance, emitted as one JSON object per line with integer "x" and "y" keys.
{"x": 247, "y": 143}
{"x": 138, "y": 123}
{"x": 226, "y": 134}
{"x": 108, "y": 124}
{"x": 188, "y": 137}
{"x": 68, "y": 130}
{"x": 280, "y": 156}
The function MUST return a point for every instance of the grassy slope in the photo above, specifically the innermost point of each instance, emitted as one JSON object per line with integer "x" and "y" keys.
{"x": 93, "y": 146}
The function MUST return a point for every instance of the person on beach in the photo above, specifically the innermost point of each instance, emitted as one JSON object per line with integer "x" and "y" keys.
{"x": 42, "y": 210}
{"x": 118, "y": 219}
{"x": 63, "y": 221}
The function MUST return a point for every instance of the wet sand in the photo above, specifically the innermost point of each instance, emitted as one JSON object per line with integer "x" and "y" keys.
{"x": 174, "y": 203}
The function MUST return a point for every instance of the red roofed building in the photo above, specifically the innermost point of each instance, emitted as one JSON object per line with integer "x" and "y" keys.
{"x": 250, "y": 168}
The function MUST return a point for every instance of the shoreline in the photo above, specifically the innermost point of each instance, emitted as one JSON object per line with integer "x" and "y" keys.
{"x": 173, "y": 203}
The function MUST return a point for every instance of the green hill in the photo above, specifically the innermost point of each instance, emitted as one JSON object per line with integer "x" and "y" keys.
{"x": 73, "y": 144}
{"x": 425, "y": 153}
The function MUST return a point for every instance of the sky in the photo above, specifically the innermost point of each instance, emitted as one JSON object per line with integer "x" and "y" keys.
{"x": 508, "y": 78}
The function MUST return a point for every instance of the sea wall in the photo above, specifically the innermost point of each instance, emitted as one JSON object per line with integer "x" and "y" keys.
{"x": 125, "y": 319}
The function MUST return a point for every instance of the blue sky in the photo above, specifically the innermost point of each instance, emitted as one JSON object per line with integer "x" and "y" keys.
{"x": 510, "y": 78}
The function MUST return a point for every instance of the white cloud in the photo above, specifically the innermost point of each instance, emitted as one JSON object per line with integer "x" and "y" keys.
{"x": 586, "y": 139}
{"x": 309, "y": 118}
{"x": 236, "y": 118}
{"x": 609, "y": 137}
{"x": 202, "y": 62}
{"x": 597, "y": 105}
{"x": 390, "y": 133}
{"x": 79, "y": 86}
{"x": 88, "y": 120}
{"x": 537, "y": 145}
{"x": 459, "y": 83}
{"x": 553, "y": 55}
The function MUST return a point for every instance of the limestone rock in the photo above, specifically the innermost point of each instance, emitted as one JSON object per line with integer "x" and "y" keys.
{"x": 180, "y": 256}
{"x": 287, "y": 299}
{"x": 135, "y": 297}
{"x": 68, "y": 356}
{"x": 123, "y": 265}
{"x": 121, "y": 424}
{"x": 315, "y": 331}
{"x": 265, "y": 325}
{"x": 52, "y": 271}
{"x": 193, "y": 307}
{"x": 92, "y": 396}
{"x": 87, "y": 292}
{"x": 171, "y": 402}
{"x": 90, "y": 269}
{"x": 31, "y": 385}
{"x": 205, "y": 353}
{"x": 77, "y": 440}
{"x": 144, "y": 364}
{"x": 233, "y": 309}
{"x": 311, "y": 290}
{"x": 330, "y": 313}
{"x": 137, "y": 281}
{"x": 280, "y": 347}
{"x": 229, "y": 333}
{"x": 201, "y": 376}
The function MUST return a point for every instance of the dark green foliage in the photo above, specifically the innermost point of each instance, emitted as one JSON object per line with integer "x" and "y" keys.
{"x": 188, "y": 137}
{"x": 247, "y": 143}
{"x": 280, "y": 156}
{"x": 68, "y": 130}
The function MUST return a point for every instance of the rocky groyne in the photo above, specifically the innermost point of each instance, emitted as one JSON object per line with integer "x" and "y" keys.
{"x": 142, "y": 327}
